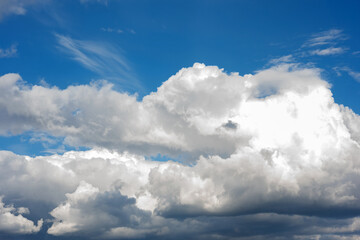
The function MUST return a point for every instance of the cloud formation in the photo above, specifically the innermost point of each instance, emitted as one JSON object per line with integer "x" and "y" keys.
{"x": 329, "y": 37}
{"x": 8, "y": 52}
{"x": 352, "y": 73}
{"x": 110, "y": 30}
{"x": 254, "y": 152}
{"x": 328, "y": 51}
{"x": 17, "y": 7}
{"x": 13, "y": 221}
{"x": 102, "y": 58}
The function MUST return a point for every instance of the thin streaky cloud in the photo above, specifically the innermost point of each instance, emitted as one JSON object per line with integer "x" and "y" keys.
{"x": 102, "y": 58}
{"x": 328, "y": 51}
{"x": 112, "y": 30}
{"x": 283, "y": 59}
{"x": 331, "y": 36}
{"x": 352, "y": 73}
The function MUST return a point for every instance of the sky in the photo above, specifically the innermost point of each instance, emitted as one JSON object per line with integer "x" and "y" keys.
{"x": 134, "y": 119}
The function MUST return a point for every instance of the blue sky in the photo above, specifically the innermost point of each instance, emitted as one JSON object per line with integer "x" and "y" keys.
{"x": 156, "y": 39}
{"x": 102, "y": 94}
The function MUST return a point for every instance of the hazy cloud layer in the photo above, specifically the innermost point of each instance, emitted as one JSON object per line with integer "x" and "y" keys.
{"x": 17, "y": 7}
{"x": 8, "y": 52}
{"x": 261, "y": 156}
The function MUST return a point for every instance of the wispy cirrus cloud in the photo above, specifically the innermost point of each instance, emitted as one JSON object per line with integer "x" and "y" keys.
{"x": 326, "y": 43}
{"x": 352, "y": 73}
{"x": 328, "y": 51}
{"x": 284, "y": 59}
{"x": 8, "y": 52}
{"x": 331, "y": 36}
{"x": 112, "y": 30}
{"x": 102, "y": 58}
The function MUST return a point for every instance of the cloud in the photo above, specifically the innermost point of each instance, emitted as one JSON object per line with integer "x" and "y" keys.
{"x": 17, "y": 7}
{"x": 122, "y": 195}
{"x": 328, "y": 51}
{"x": 12, "y": 220}
{"x": 284, "y": 59}
{"x": 8, "y": 52}
{"x": 254, "y": 153}
{"x": 353, "y": 74}
{"x": 87, "y": 210}
{"x": 181, "y": 117}
{"x": 101, "y": 58}
{"x": 110, "y": 30}
{"x": 329, "y": 37}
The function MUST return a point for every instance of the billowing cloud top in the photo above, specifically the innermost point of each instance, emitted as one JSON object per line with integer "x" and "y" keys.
{"x": 249, "y": 150}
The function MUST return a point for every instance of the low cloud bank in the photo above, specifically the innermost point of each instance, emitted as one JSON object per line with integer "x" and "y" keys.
{"x": 260, "y": 152}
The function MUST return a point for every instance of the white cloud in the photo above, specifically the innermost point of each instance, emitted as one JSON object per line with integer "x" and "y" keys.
{"x": 17, "y": 7}
{"x": 328, "y": 51}
{"x": 183, "y": 116}
{"x": 355, "y": 75}
{"x": 273, "y": 142}
{"x": 87, "y": 210}
{"x": 12, "y": 220}
{"x": 8, "y": 52}
{"x": 331, "y": 36}
{"x": 103, "y": 58}
{"x": 284, "y": 59}
{"x": 352, "y": 73}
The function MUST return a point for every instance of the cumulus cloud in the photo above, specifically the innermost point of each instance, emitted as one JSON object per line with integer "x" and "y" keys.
{"x": 12, "y": 220}
{"x": 87, "y": 210}
{"x": 114, "y": 195}
{"x": 183, "y": 116}
{"x": 268, "y": 149}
